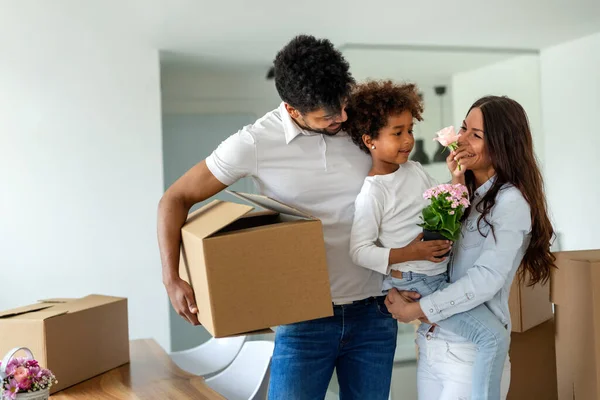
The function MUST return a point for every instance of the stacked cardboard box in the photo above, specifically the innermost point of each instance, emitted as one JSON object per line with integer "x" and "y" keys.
{"x": 532, "y": 355}
{"x": 572, "y": 361}
{"x": 533, "y": 364}
{"x": 575, "y": 292}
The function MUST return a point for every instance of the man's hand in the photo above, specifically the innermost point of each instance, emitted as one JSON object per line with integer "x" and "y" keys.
{"x": 431, "y": 250}
{"x": 196, "y": 185}
{"x": 183, "y": 300}
{"x": 404, "y": 305}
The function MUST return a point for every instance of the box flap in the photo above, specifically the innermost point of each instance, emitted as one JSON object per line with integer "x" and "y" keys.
{"x": 87, "y": 302}
{"x": 214, "y": 216}
{"x": 270, "y": 204}
{"x": 54, "y": 307}
{"x": 56, "y": 300}
{"x": 580, "y": 255}
{"x": 23, "y": 310}
{"x": 34, "y": 312}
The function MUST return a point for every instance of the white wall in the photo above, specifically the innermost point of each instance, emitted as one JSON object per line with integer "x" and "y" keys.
{"x": 80, "y": 159}
{"x": 197, "y": 89}
{"x": 518, "y": 78}
{"x": 570, "y": 84}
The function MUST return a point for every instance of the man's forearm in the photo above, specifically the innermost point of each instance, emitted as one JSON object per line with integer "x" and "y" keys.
{"x": 172, "y": 214}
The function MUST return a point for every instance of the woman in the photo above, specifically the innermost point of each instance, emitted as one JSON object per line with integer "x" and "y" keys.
{"x": 506, "y": 232}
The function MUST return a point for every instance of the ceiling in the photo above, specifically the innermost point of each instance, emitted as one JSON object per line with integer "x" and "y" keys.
{"x": 251, "y": 32}
{"x": 427, "y": 66}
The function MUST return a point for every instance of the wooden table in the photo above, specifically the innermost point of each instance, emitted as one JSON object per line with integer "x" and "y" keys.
{"x": 150, "y": 375}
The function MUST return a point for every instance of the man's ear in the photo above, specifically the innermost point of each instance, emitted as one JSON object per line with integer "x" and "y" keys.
{"x": 292, "y": 111}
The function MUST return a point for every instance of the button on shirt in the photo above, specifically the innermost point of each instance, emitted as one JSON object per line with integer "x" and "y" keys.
{"x": 483, "y": 267}
{"x": 315, "y": 173}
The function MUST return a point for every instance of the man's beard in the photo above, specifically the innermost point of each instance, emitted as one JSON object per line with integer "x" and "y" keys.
{"x": 323, "y": 131}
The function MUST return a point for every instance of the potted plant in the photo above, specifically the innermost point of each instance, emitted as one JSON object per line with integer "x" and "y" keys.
{"x": 441, "y": 218}
{"x": 23, "y": 378}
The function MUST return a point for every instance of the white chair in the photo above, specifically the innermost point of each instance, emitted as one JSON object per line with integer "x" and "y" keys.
{"x": 247, "y": 378}
{"x": 210, "y": 357}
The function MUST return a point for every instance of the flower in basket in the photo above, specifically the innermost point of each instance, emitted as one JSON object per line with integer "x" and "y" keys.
{"x": 25, "y": 376}
{"x": 447, "y": 206}
{"x": 448, "y": 138}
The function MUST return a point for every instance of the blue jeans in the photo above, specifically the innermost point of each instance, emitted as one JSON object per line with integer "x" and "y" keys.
{"x": 359, "y": 341}
{"x": 479, "y": 325}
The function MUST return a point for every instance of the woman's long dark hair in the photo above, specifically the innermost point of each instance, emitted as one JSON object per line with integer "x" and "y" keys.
{"x": 510, "y": 147}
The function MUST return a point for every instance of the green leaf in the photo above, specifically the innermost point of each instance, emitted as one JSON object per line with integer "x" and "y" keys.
{"x": 447, "y": 234}
{"x": 431, "y": 219}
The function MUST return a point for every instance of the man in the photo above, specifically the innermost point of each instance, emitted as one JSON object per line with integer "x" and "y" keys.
{"x": 298, "y": 154}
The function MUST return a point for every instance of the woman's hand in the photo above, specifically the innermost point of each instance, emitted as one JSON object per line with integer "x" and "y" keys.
{"x": 464, "y": 155}
{"x": 404, "y": 305}
{"x": 458, "y": 174}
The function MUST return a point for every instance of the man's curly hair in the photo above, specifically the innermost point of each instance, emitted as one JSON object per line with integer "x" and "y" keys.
{"x": 311, "y": 74}
{"x": 372, "y": 102}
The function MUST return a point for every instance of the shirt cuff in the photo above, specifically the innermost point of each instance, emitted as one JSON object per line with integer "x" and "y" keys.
{"x": 380, "y": 257}
{"x": 430, "y": 310}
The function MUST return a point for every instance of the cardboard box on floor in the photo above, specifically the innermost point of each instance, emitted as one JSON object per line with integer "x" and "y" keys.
{"x": 254, "y": 270}
{"x": 76, "y": 339}
{"x": 529, "y": 306}
{"x": 533, "y": 364}
{"x": 575, "y": 291}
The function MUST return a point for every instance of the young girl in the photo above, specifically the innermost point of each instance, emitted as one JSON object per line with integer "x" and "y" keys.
{"x": 385, "y": 234}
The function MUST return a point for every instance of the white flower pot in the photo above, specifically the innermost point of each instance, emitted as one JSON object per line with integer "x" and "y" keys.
{"x": 39, "y": 395}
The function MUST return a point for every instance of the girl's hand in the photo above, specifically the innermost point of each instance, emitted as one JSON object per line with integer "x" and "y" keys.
{"x": 430, "y": 251}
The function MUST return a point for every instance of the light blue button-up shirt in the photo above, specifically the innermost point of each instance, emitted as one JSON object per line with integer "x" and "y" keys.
{"x": 483, "y": 267}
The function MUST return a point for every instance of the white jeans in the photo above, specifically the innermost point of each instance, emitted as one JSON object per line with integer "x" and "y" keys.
{"x": 445, "y": 370}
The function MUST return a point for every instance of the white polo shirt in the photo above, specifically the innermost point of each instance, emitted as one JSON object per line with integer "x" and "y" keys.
{"x": 316, "y": 173}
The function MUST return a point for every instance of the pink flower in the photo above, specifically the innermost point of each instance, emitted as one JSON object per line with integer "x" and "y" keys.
{"x": 447, "y": 136}
{"x": 21, "y": 374}
{"x": 25, "y": 385}
{"x": 34, "y": 371}
{"x": 456, "y": 195}
{"x": 12, "y": 366}
{"x": 11, "y": 389}
{"x": 451, "y": 212}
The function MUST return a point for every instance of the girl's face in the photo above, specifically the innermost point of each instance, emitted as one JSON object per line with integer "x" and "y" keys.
{"x": 395, "y": 140}
{"x": 472, "y": 140}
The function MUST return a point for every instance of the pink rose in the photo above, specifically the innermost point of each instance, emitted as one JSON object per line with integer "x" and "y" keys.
{"x": 447, "y": 136}
{"x": 21, "y": 374}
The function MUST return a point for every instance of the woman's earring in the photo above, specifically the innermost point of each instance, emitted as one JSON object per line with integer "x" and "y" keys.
{"x": 373, "y": 147}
